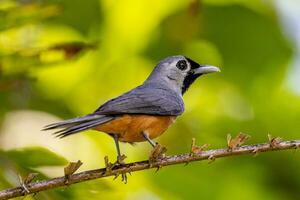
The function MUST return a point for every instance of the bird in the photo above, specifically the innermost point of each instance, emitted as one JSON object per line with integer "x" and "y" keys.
{"x": 146, "y": 111}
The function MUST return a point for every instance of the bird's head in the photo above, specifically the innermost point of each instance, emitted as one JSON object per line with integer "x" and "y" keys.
{"x": 179, "y": 72}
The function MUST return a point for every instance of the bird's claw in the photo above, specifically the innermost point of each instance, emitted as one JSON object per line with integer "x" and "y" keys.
{"x": 157, "y": 153}
{"x": 124, "y": 177}
{"x": 119, "y": 162}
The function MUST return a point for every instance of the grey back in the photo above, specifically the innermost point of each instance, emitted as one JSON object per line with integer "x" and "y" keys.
{"x": 150, "y": 98}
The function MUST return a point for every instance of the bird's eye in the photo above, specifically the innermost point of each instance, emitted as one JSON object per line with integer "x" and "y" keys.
{"x": 182, "y": 65}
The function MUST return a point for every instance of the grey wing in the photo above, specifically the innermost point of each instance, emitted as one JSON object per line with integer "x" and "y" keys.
{"x": 145, "y": 100}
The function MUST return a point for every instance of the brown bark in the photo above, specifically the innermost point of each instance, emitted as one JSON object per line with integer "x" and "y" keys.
{"x": 197, "y": 155}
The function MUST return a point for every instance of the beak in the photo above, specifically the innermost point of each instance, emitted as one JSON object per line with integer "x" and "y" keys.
{"x": 206, "y": 69}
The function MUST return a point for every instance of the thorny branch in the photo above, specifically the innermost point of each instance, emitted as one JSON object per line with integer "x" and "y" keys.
{"x": 197, "y": 153}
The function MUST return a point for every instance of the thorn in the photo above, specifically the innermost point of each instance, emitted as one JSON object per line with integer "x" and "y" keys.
{"x": 274, "y": 141}
{"x": 228, "y": 139}
{"x": 197, "y": 149}
{"x": 30, "y": 178}
{"x": 70, "y": 169}
{"x": 255, "y": 152}
{"x": 24, "y": 182}
{"x": 239, "y": 140}
{"x": 106, "y": 161}
{"x": 25, "y": 189}
{"x": 108, "y": 165}
{"x": 156, "y": 153}
{"x": 211, "y": 159}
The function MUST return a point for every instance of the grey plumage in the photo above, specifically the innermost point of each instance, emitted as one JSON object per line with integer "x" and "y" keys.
{"x": 149, "y": 98}
{"x": 161, "y": 94}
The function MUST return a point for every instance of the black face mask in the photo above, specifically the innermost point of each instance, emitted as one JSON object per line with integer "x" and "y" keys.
{"x": 190, "y": 77}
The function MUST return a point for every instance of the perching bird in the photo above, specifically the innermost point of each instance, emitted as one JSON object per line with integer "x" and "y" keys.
{"x": 144, "y": 112}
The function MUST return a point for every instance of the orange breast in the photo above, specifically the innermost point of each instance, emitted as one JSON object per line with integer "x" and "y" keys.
{"x": 131, "y": 127}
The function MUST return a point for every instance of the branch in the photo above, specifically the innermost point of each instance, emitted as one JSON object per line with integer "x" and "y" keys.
{"x": 197, "y": 154}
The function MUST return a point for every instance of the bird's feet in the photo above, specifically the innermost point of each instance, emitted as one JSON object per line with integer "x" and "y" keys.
{"x": 119, "y": 163}
{"x": 120, "y": 160}
{"x": 157, "y": 153}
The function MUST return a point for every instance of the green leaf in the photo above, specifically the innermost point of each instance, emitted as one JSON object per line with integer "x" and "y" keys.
{"x": 35, "y": 157}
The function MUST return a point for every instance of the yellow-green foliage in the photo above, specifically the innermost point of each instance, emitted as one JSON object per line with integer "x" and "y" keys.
{"x": 62, "y": 59}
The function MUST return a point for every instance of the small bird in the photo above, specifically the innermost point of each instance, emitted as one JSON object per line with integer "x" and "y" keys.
{"x": 144, "y": 112}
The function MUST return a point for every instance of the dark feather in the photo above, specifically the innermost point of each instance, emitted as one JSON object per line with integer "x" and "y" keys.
{"x": 78, "y": 124}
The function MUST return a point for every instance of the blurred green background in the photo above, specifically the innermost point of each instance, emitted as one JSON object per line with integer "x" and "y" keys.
{"x": 63, "y": 58}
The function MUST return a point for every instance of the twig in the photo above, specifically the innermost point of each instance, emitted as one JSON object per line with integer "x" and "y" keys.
{"x": 38, "y": 186}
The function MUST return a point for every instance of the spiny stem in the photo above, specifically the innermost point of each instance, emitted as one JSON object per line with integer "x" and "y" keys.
{"x": 38, "y": 186}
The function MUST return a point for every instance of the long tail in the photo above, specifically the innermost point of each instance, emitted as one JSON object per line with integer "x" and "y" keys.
{"x": 78, "y": 124}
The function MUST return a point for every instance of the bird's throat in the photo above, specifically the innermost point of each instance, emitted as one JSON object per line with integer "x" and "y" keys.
{"x": 188, "y": 80}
